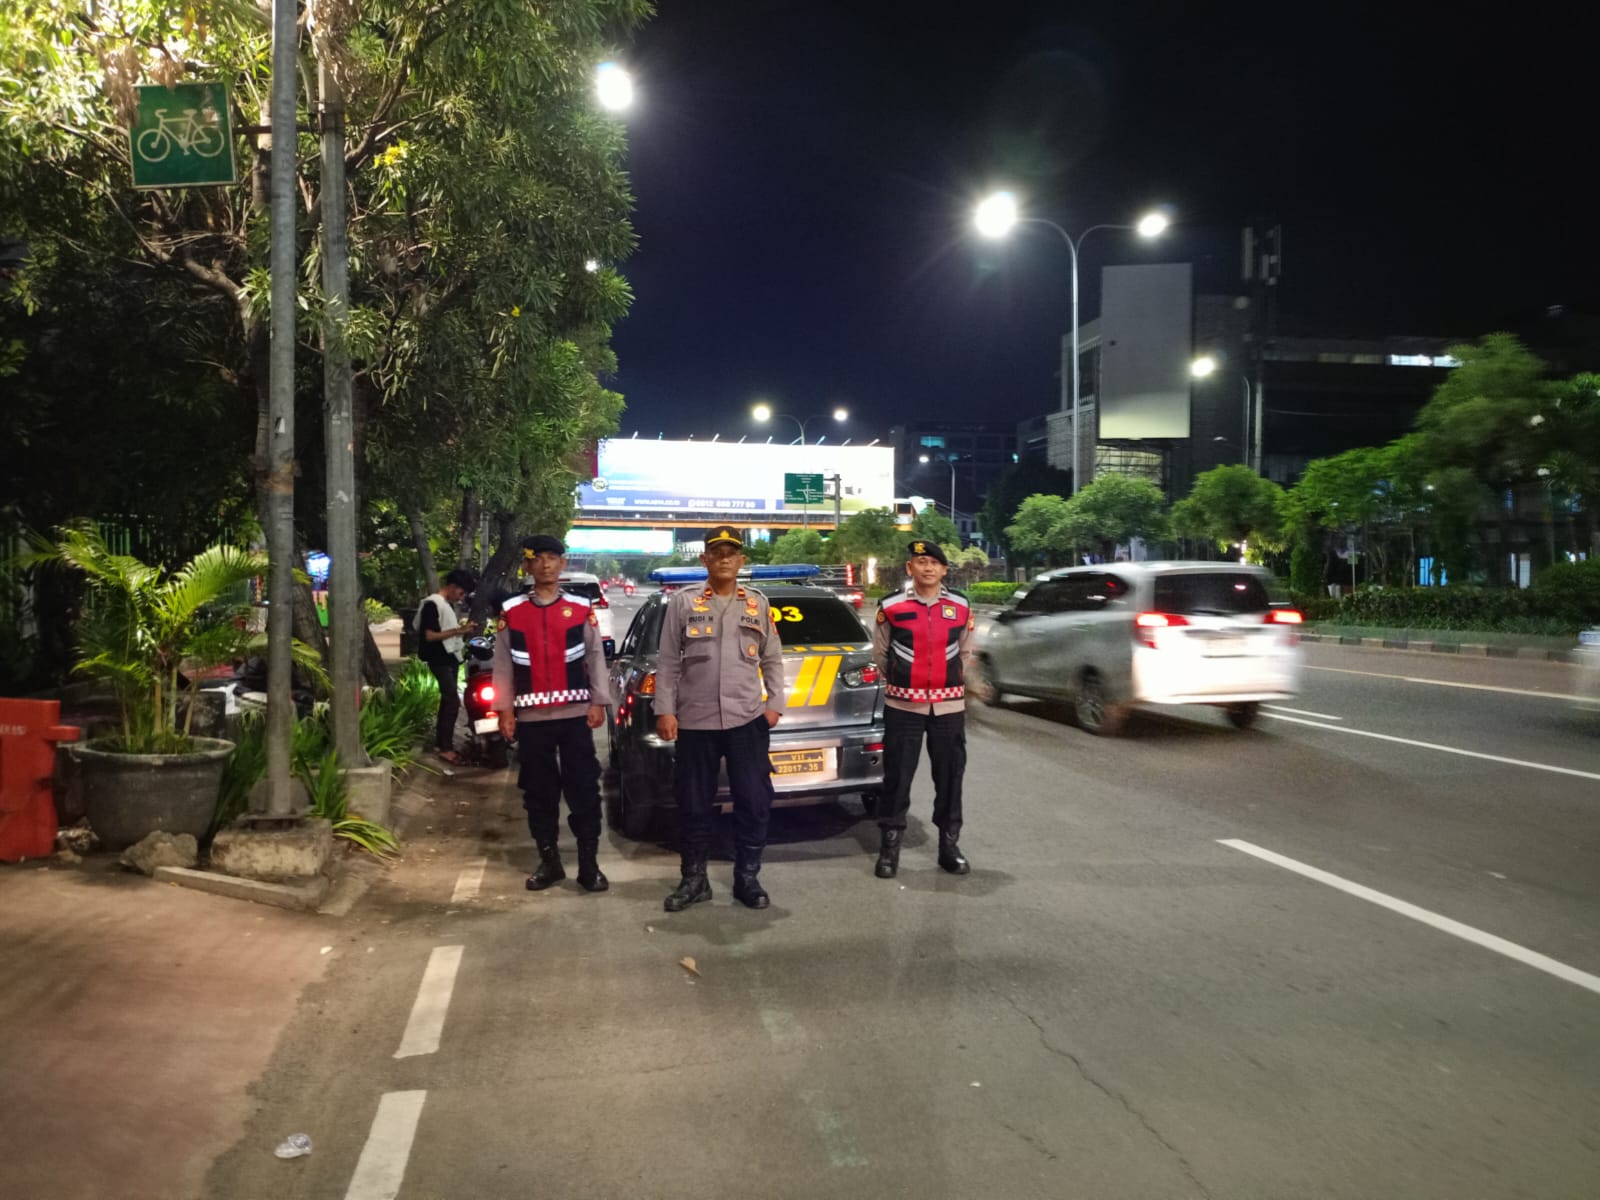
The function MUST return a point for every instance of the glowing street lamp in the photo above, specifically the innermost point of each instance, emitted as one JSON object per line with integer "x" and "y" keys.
{"x": 998, "y": 214}
{"x": 951, "y": 463}
{"x": 614, "y": 87}
{"x": 1204, "y": 367}
{"x": 764, "y": 412}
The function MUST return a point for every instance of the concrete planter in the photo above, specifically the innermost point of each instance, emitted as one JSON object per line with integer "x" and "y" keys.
{"x": 129, "y": 796}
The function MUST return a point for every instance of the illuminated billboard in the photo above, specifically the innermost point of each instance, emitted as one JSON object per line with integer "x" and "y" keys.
{"x": 584, "y": 540}
{"x": 740, "y": 478}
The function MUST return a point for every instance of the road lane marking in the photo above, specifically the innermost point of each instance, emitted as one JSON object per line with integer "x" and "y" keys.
{"x": 1300, "y": 712}
{"x": 1389, "y": 737}
{"x": 1475, "y": 687}
{"x": 382, "y": 1166}
{"x": 433, "y": 1001}
{"x": 1477, "y": 937}
{"x": 469, "y": 881}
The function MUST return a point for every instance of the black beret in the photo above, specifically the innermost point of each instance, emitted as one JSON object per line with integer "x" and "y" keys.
{"x": 931, "y": 549}
{"x": 542, "y": 543}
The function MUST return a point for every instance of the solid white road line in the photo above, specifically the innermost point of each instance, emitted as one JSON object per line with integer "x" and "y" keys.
{"x": 469, "y": 881}
{"x": 433, "y": 1001}
{"x": 1488, "y": 941}
{"x": 1475, "y": 687}
{"x": 1388, "y": 737}
{"x": 1300, "y": 712}
{"x": 382, "y": 1166}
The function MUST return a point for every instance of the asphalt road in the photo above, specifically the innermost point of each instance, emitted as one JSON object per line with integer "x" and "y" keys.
{"x": 1301, "y": 961}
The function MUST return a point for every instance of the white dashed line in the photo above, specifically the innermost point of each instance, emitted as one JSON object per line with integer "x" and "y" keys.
{"x": 433, "y": 1001}
{"x": 382, "y": 1167}
{"x": 1477, "y": 937}
{"x": 1389, "y": 737}
{"x": 469, "y": 881}
{"x": 1300, "y": 712}
{"x": 1474, "y": 687}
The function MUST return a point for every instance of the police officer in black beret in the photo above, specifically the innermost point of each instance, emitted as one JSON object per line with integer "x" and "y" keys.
{"x": 920, "y": 643}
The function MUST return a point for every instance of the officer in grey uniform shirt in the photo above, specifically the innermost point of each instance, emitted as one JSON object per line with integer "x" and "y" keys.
{"x": 719, "y": 692}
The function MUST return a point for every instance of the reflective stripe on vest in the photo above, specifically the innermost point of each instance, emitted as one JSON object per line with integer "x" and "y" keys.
{"x": 925, "y": 651}
{"x": 547, "y": 650}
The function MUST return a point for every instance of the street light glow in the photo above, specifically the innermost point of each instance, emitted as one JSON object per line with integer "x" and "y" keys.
{"x": 841, "y": 414}
{"x": 923, "y": 458}
{"x": 762, "y": 412}
{"x": 614, "y": 86}
{"x": 1203, "y": 366}
{"x": 1152, "y": 225}
{"x": 996, "y": 215}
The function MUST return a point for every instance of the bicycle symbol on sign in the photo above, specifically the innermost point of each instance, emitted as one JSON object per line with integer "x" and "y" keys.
{"x": 190, "y": 132}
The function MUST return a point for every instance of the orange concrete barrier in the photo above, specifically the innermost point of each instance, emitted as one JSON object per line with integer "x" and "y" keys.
{"x": 29, "y": 731}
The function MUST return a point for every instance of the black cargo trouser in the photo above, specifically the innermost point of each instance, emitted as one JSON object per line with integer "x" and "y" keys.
{"x": 947, "y": 756}
{"x": 446, "y": 669}
{"x": 557, "y": 757}
{"x": 694, "y": 785}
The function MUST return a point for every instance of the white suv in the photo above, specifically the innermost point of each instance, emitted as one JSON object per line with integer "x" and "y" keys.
{"x": 1110, "y": 637}
{"x": 581, "y": 583}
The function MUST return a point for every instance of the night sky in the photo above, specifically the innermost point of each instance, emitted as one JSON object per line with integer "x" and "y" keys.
{"x": 805, "y": 174}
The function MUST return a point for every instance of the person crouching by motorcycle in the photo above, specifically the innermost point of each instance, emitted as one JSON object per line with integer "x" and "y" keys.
{"x": 439, "y": 645}
{"x": 550, "y": 664}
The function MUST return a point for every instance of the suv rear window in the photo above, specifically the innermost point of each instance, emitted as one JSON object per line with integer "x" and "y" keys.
{"x": 1211, "y": 593}
{"x": 590, "y": 591}
{"x": 824, "y": 619}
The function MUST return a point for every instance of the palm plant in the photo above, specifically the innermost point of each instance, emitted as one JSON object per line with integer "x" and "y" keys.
{"x": 144, "y": 627}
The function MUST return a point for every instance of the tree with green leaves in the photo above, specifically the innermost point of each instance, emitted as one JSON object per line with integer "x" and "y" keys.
{"x": 1232, "y": 506}
{"x": 797, "y": 546}
{"x": 871, "y": 533}
{"x": 1043, "y": 528}
{"x": 933, "y": 526}
{"x": 1113, "y": 510}
{"x": 1015, "y": 484}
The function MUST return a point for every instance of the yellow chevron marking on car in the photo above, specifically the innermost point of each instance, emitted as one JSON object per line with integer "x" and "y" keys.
{"x": 800, "y": 689}
{"x": 825, "y": 678}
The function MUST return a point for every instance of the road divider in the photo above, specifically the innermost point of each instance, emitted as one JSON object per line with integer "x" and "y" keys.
{"x": 1389, "y": 737}
{"x": 1477, "y": 937}
{"x": 426, "y": 1025}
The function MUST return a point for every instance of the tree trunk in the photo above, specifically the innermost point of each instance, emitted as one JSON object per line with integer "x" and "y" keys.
{"x": 419, "y": 536}
{"x": 470, "y": 513}
{"x": 500, "y": 576}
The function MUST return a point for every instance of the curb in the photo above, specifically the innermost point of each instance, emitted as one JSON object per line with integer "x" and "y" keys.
{"x": 304, "y": 896}
{"x": 1461, "y": 649}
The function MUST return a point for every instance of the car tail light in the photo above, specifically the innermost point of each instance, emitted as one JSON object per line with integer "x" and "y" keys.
{"x": 1146, "y": 624}
{"x": 1285, "y": 616}
{"x": 869, "y": 674}
{"x": 602, "y": 603}
{"x": 647, "y": 685}
{"x": 873, "y": 747}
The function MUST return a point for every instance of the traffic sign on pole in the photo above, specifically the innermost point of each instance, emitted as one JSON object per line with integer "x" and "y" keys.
{"x": 183, "y": 137}
{"x": 801, "y": 488}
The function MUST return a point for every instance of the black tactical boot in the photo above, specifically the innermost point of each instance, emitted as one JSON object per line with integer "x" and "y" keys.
{"x": 888, "y": 854}
{"x": 694, "y": 886}
{"x": 950, "y": 856}
{"x": 590, "y": 877}
{"x": 747, "y": 889}
{"x": 550, "y": 870}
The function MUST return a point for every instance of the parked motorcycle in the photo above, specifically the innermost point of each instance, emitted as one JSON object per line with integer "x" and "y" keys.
{"x": 487, "y": 747}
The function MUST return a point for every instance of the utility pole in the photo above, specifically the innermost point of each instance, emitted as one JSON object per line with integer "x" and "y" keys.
{"x": 344, "y": 583}
{"x": 280, "y": 415}
{"x": 837, "y": 501}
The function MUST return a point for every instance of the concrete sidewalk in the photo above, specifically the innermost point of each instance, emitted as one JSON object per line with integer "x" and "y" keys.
{"x": 136, "y": 1016}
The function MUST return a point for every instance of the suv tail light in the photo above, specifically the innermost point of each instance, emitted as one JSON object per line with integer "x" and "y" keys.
{"x": 1146, "y": 624}
{"x": 647, "y": 685}
{"x": 1285, "y": 616}
{"x": 602, "y": 602}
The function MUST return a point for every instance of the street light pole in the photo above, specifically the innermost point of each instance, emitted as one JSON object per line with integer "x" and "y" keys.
{"x": 765, "y": 412}
{"x": 995, "y": 217}
{"x": 950, "y": 462}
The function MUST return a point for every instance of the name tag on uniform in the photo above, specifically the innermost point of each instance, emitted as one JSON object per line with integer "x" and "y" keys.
{"x": 751, "y": 621}
{"x": 905, "y": 616}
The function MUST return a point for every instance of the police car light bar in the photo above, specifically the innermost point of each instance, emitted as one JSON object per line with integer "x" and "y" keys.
{"x": 677, "y": 576}
{"x": 784, "y": 571}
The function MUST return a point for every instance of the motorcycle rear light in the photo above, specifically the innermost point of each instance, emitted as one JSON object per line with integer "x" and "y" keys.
{"x": 1285, "y": 616}
{"x": 647, "y": 685}
{"x": 486, "y": 693}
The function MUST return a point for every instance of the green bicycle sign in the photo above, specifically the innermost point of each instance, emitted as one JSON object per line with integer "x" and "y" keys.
{"x": 182, "y": 137}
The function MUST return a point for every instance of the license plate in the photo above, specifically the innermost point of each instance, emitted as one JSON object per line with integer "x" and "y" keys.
{"x": 1226, "y": 647}
{"x": 801, "y": 762}
{"x": 486, "y": 725}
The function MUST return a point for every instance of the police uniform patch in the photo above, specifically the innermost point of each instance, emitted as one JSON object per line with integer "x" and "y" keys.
{"x": 948, "y": 612}
{"x": 566, "y": 612}
{"x": 919, "y": 548}
{"x": 751, "y": 649}
{"x": 594, "y": 618}
{"x": 881, "y": 617}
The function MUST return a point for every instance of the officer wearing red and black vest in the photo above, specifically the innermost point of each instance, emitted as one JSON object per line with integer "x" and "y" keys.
{"x": 719, "y": 692}
{"x": 920, "y": 643}
{"x": 551, "y": 691}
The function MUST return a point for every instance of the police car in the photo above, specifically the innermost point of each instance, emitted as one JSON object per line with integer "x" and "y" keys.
{"x": 830, "y": 740}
